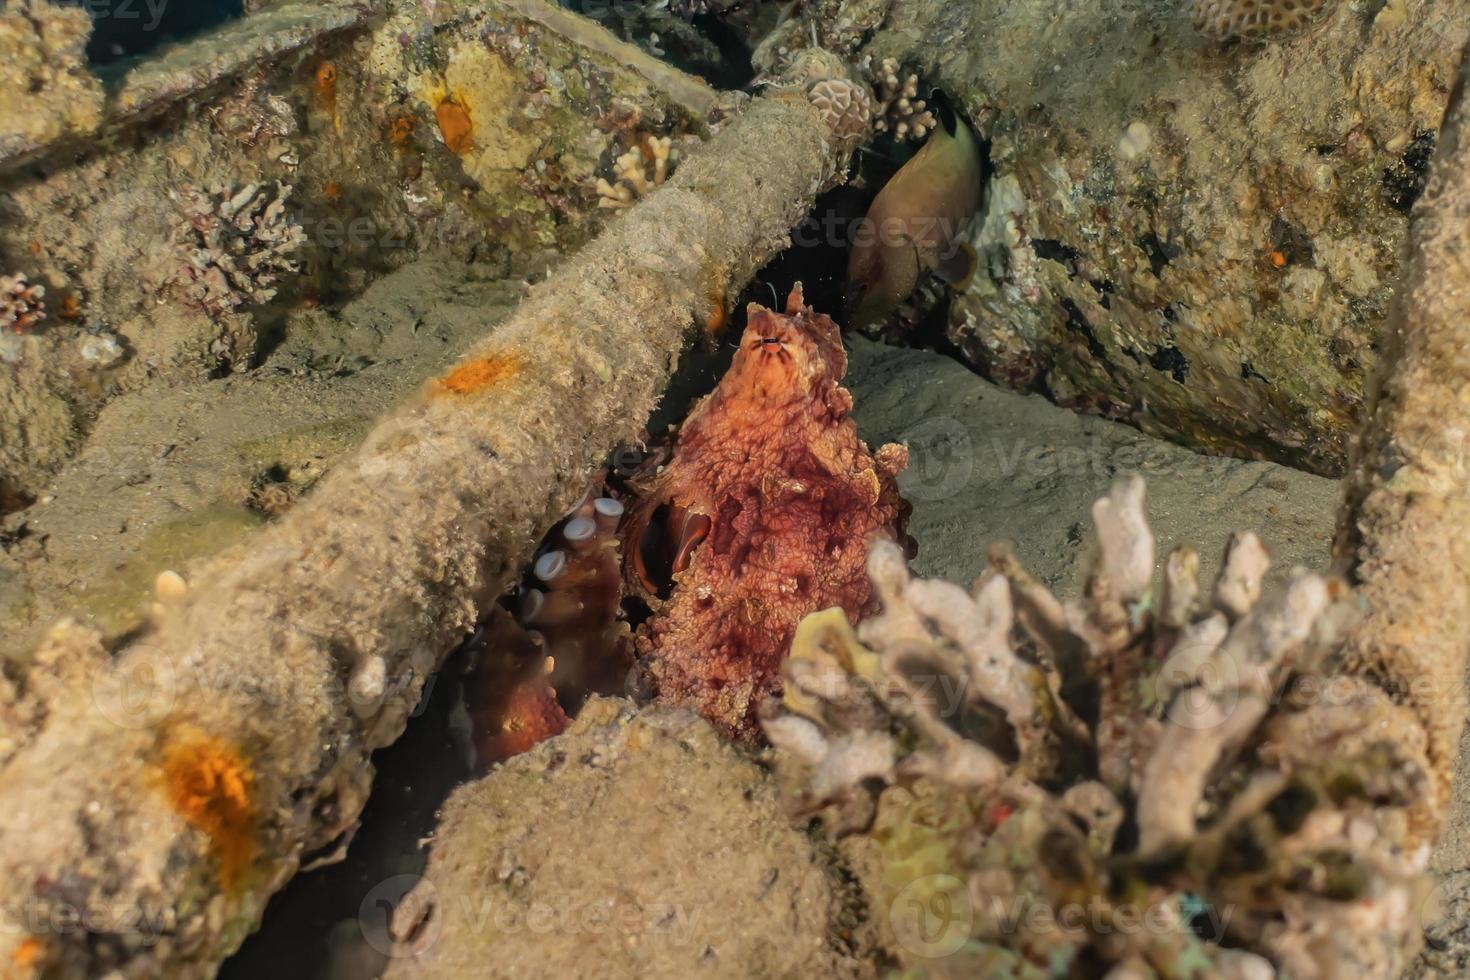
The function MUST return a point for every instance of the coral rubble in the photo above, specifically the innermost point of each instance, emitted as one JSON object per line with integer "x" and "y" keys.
{"x": 769, "y": 500}
{"x": 1182, "y": 759}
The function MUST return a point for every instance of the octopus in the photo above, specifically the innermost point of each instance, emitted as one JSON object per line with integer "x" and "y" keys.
{"x": 762, "y": 513}
{"x": 759, "y": 512}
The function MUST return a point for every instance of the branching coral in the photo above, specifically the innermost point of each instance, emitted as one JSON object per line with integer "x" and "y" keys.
{"x": 767, "y": 503}
{"x": 22, "y": 303}
{"x": 637, "y": 172}
{"x": 237, "y": 246}
{"x": 899, "y": 111}
{"x": 1177, "y": 759}
{"x": 1256, "y": 20}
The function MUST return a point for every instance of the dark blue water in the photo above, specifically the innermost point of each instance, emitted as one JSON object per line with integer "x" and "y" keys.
{"x": 128, "y": 28}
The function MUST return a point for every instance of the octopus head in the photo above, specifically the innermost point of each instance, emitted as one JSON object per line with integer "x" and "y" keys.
{"x": 790, "y": 356}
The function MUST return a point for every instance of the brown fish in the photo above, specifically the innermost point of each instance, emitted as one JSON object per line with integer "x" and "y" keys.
{"x": 915, "y": 223}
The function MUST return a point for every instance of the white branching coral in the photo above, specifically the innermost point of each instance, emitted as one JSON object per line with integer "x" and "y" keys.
{"x": 900, "y": 111}
{"x": 1157, "y": 751}
{"x": 637, "y": 172}
{"x": 237, "y": 246}
{"x": 22, "y": 303}
{"x": 1256, "y": 20}
{"x": 844, "y": 105}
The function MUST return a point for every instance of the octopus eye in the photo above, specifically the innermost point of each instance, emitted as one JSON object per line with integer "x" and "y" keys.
{"x": 771, "y": 343}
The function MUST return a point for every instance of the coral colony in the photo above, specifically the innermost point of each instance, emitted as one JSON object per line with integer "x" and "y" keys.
{"x": 1126, "y": 751}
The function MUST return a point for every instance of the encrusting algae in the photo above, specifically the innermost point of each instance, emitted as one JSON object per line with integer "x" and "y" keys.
{"x": 209, "y": 784}
{"x": 478, "y": 374}
{"x": 455, "y": 125}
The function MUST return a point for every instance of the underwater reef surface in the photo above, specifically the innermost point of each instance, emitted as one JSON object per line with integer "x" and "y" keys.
{"x": 1195, "y": 236}
{"x": 284, "y": 160}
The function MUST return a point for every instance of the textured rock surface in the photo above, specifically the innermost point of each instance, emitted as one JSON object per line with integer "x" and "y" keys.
{"x": 351, "y": 123}
{"x": 166, "y": 474}
{"x": 42, "y": 55}
{"x": 637, "y": 844}
{"x": 1200, "y": 239}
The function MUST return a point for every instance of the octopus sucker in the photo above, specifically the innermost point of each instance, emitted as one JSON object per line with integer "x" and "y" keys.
{"x": 560, "y": 638}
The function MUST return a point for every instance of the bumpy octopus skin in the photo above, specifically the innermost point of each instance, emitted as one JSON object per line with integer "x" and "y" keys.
{"x": 771, "y": 501}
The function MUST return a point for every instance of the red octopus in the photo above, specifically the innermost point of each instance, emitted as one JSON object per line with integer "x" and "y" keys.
{"x": 760, "y": 513}
{"x": 768, "y": 504}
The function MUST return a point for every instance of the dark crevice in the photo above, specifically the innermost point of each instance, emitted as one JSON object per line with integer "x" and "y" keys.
{"x": 1248, "y": 373}
{"x": 1160, "y": 252}
{"x": 1046, "y": 248}
{"x": 124, "y": 29}
{"x": 1077, "y": 323}
{"x": 1404, "y": 181}
{"x": 1294, "y": 244}
{"x": 325, "y": 911}
{"x": 1171, "y": 359}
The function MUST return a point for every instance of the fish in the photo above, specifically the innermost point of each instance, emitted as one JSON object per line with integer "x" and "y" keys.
{"x": 917, "y": 222}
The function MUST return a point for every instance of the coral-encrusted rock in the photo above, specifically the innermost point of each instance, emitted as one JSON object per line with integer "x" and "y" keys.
{"x": 1199, "y": 239}
{"x": 772, "y": 502}
{"x": 46, "y": 91}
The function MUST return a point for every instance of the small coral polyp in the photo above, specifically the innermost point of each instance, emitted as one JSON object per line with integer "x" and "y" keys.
{"x": 22, "y": 303}
{"x": 1257, "y": 20}
{"x": 762, "y": 514}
